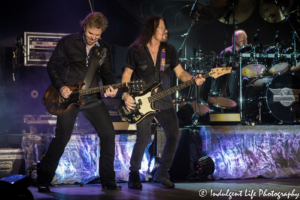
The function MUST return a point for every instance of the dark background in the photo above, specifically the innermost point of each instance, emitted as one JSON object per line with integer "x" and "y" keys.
{"x": 125, "y": 19}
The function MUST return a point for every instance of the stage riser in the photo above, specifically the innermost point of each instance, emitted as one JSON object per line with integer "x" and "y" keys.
{"x": 250, "y": 151}
{"x": 238, "y": 152}
{"x": 80, "y": 160}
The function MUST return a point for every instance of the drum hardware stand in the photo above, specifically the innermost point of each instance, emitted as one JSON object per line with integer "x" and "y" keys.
{"x": 241, "y": 95}
{"x": 184, "y": 45}
{"x": 287, "y": 17}
{"x": 196, "y": 114}
{"x": 295, "y": 47}
{"x": 259, "y": 112}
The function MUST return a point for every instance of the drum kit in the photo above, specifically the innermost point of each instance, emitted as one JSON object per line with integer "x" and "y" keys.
{"x": 265, "y": 85}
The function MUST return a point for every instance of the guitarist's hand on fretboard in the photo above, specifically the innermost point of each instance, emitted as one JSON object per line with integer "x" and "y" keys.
{"x": 199, "y": 80}
{"x": 129, "y": 102}
{"x": 110, "y": 92}
{"x": 65, "y": 92}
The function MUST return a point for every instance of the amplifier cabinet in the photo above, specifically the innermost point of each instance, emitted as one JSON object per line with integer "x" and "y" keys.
{"x": 11, "y": 162}
{"x": 38, "y": 47}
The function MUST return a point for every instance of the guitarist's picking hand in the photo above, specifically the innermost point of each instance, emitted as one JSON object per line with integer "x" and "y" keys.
{"x": 65, "y": 92}
{"x": 110, "y": 92}
{"x": 129, "y": 102}
{"x": 199, "y": 80}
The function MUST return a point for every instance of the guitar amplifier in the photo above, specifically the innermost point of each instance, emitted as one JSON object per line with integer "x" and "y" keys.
{"x": 11, "y": 162}
{"x": 38, "y": 47}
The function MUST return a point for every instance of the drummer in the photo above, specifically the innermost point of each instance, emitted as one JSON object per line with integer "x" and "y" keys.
{"x": 240, "y": 41}
{"x": 232, "y": 78}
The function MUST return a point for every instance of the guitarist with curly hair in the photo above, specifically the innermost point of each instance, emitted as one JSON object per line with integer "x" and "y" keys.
{"x": 69, "y": 64}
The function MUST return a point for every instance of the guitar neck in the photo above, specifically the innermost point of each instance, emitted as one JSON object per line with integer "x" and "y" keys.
{"x": 100, "y": 89}
{"x": 171, "y": 90}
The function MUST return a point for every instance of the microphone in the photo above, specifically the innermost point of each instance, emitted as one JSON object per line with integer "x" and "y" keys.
{"x": 256, "y": 36}
{"x": 184, "y": 35}
{"x": 256, "y": 33}
{"x": 276, "y": 40}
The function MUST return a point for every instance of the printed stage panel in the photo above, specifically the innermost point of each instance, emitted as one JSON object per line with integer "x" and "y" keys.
{"x": 80, "y": 161}
{"x": 250, "y": 151}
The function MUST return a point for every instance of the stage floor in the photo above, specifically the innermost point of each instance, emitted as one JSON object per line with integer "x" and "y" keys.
{"x": 260, "y": 188}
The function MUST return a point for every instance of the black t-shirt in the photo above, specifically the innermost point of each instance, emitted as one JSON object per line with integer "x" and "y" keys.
{"x": 142, "y": 65}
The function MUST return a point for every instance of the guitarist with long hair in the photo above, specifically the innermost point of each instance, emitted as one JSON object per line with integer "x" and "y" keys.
{"x": 69, "y": 64}
{"x": 152, "y": 59}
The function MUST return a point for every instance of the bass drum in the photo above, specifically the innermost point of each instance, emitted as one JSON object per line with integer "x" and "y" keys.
{"x": 278, "y": 97}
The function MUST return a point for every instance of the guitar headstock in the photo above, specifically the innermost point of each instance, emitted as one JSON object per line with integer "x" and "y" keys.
{"x": 220, "y": 71}
{"x": 136, "y": 85}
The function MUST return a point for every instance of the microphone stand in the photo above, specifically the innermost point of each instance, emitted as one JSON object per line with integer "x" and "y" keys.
{"x": 185, "y": 38}
{"x": 295, "y": 49}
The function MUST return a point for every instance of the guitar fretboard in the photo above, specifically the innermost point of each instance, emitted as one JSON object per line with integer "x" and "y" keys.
{"x": 100, "y": 89}
{"x": 171, "y": 90}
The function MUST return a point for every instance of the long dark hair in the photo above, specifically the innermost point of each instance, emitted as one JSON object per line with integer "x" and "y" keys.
{"x": 147, "y": 31}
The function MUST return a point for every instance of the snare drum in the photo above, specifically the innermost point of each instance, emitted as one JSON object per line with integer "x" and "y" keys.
{"x": 278, "y": 97}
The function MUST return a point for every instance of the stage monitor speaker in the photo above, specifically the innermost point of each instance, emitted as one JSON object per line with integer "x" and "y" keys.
{"x": 15, "y": 186}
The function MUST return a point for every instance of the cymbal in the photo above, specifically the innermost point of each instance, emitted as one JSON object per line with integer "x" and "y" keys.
{"x": 270, "y": 10}
{"x": 242, "y": 10}
{"x": 203, "y": 15}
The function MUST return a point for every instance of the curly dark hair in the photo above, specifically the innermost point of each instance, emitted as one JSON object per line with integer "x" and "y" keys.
{"x": 94, "y": 20}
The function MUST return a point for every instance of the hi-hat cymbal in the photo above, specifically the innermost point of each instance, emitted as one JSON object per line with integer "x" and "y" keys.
{"x": 202, "y": 14}
{"x": 224, "y": 8}
{"x": 270, "y": 9}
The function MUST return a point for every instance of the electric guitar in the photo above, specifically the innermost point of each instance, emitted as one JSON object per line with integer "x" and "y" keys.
{"x": 145, "y": 99}
{"x": 58, "y": 105}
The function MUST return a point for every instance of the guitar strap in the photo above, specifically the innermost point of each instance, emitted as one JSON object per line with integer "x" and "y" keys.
{"x": 93, "y": 66}
{"x": 162, "y": 64}
{"x": 163, "y": 60}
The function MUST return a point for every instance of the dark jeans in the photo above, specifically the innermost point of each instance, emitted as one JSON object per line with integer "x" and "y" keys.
{"x": 169, "y": 122}
{"x": 100, "y": 119}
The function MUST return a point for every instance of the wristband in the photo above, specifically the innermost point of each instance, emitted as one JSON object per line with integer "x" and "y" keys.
{"x": 125, "y": 93}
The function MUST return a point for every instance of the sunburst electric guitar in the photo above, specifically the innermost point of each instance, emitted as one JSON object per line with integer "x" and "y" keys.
{"x": 144, "y": 99}
{"x": 58, "y": 105}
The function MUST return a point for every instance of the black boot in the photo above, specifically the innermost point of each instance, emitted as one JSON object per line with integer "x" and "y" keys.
{"x": 42, "y": 181}
{"x": 42, "y": 184}
{"x": 164, "y": 180}
{"x": 134, "y": 180}
{"x": 111, "y": 185}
